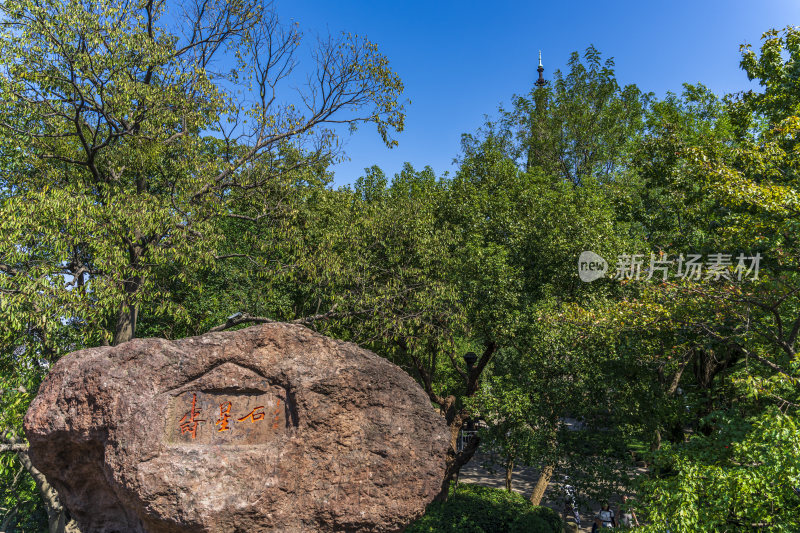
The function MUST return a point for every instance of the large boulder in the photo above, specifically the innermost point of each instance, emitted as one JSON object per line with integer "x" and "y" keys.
{"x": 270, "y": 428}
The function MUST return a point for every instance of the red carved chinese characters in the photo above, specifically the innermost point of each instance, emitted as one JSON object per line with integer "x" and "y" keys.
{"x": 227, "y": 418}
{"x": 277, "y": 415}
{"x": 224, "y": 415}
{"x": 253, "y": 416}
{"x": 189, "y": 423}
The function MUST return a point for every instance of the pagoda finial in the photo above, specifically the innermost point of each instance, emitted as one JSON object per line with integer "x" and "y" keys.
{"x": 541, "y": 82}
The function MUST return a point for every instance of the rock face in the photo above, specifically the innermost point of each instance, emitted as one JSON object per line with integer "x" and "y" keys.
{"x": 270, "y": 428}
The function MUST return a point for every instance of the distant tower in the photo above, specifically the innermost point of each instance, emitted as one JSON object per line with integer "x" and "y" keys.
{"x": 536, "y": 120}
{"x": 541, "y": 81}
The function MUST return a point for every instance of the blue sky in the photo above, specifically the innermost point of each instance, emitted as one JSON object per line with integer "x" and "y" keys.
{"x": 460, "y": 60}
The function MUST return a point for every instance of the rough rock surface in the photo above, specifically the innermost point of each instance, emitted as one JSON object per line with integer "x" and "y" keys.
{"x": 270, "y": 428}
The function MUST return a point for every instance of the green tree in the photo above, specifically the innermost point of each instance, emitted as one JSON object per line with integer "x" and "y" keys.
{"x": 580, "y": 126}
{"x": 133, "y": 135}
{"x": 729, "y": 461}
{"x": 570, "y": 145}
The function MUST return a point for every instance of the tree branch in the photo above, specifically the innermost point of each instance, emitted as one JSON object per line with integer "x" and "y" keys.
{"x": 13, "y": 448}
{"x": 245, "y": 318}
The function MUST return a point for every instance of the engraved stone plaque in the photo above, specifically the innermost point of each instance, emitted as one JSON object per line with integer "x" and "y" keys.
{"x": 225, "y": 418}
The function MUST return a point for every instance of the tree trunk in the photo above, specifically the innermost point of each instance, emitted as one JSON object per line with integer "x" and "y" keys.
{"x": 655, "y": 445}
{"x": 58, "y": 518}
{"x": 10, "y": 519}
{"x": 453, "y": 416}
{"x": 126, "y": 323}
{"x": 509, "y": 473}
{"x": 541, "y": 484}
{"x": 455, "y": 459}
{"x": 125, "y": 328}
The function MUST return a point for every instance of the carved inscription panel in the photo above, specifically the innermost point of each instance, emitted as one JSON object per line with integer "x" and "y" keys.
{"x": 199, "y": 417}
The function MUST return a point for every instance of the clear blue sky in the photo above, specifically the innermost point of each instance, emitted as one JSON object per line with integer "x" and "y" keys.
{"x": 460, "y": 60}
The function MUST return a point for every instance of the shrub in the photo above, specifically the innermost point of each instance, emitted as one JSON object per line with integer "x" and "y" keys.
{"x": 476, "y": 509}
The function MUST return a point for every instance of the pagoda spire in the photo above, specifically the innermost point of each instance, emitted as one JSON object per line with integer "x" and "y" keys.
{"x": 541, "y": 81}
{"x": 537, "y": 117}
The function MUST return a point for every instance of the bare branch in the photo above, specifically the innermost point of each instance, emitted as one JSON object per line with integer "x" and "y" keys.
{"x": 475, "y": 373}
{"x": 13, "y": 448}
{"x": 245, "y": 318}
